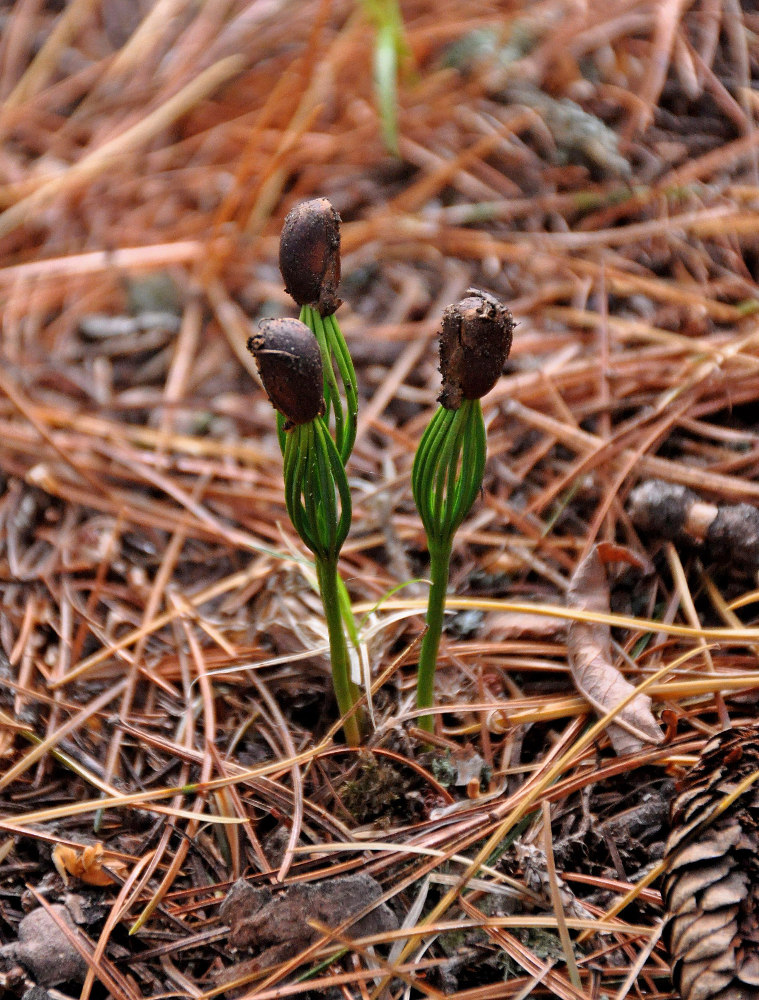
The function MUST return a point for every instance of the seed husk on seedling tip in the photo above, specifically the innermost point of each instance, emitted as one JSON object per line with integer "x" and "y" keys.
{"x": 309, "y": 260}
{"x": 309, "y": 255}
{"x": 290, "y": 365}
{"x": 475, "y": 341}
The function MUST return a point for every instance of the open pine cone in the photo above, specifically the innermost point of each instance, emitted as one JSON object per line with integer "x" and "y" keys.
{"x": 711, "y": 889}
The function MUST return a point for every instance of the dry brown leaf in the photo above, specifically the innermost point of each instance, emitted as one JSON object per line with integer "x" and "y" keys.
{"x": 505, "y": 625}
{"x": 590, "y": 657}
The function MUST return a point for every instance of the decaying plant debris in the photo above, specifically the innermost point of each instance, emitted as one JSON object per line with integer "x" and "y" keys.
{"x": 164, "y": 683}
{"x": 280, "y": 927}
{"x": 729, "y": 533}
{"x": 591, "y": 662}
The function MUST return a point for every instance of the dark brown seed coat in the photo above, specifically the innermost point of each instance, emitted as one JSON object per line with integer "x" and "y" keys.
{"x": 309, "y": 255}
{"x": 290, "y": 365}
{"x": 475, "y": 341}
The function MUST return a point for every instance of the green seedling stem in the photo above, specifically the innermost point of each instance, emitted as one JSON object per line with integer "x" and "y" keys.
{"x": 446, "y": 477}
{"x": 319, "y": 504}
{"x": 346, "y": 692}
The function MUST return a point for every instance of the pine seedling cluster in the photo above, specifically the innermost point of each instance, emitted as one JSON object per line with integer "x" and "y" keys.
{"x": 308, "y": 375}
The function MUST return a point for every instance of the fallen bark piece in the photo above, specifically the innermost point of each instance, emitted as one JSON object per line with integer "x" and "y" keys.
{"x": 733, "y": 536}
{"x": 711, "y": 889}
{"x": 43, "y": 948}
{"x": 729, "y": 533}
{"x": 277, "y": 924}
{"x": 661, "y": 508}
{"x": 590, "y": 657}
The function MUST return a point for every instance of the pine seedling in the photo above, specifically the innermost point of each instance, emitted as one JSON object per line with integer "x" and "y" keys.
{"x": 317, "y": 496}
{"x": 309, "y": 261}
{"x": 450, "y": 461}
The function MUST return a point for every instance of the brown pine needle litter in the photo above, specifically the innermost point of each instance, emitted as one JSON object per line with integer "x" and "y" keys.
{"x": 167, "y": 724}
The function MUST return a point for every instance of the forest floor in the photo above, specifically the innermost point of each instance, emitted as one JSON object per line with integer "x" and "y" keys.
{"x": 167, "y": 723}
